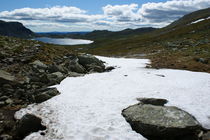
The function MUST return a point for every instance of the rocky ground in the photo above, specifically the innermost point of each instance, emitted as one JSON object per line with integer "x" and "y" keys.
{"x": 27, "y": 69}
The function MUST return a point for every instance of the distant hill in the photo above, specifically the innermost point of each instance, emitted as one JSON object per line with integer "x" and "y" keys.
{"x": 190, "y": 18}
{"x": 99, "y": 34}
{"x": 15, "y": 29}
{"x": 184, "y": 44}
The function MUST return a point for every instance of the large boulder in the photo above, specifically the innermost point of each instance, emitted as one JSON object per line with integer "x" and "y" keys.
{"x": 161, "y": 122}
{"x": 28, "y": 124}
{"x": 91, "y": 63}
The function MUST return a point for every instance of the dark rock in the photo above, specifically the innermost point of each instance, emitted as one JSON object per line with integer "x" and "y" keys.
{"x": 41, "y": 97}
{"x": 94, "y": 68}
{"x": 206, "y": 136}
{"x": 28, "y": 124}
{"x": 202, "y": 60}
{"x": 54, "y": 78}
{"x": 53, "y": 68}
{"x": 3, "y": 98}
{"x": 38, "y": 64}
{"x": 9, "y": 101}
{"x": 74, "y": 66}
{"x": 5, "y": 137}
{"x": 153, "y": 101}
{"x": 45, "y": 94}
{"x": 162, "y": 123}
{"x": 6, "y": 77}
{"x": 87, "y": 59}
{"x": 110, "y": 68}
{"x": 2, "y": 103}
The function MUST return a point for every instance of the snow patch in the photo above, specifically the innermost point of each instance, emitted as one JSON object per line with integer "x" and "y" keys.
{"x": 199, "y": 20}
{"x": 89, "y": 107}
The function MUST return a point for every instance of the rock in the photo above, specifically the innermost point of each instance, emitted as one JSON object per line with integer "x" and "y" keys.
{"x": 87, "y": 59}
{"x": 74, "y": 74}
{"x": 38, "y": 64}
{"x": 9, "y": 101}
{"x": 54, "y": 78}
{"x": 45, "y": 94}
{"x": 153, "y": 101}
{"x": 5, "y": 137}
{"x": 53, "y": 68}
{"x": 2, "y": 103}
{"x": 74, "y": 66}
{"x": 42, "y": 97}
{"x": 28, "y": 124}
{"x": 58, "y": 74}
{"x": 202, "y": 60}
{"x": 162, "y": 123}
{"x": 6, "y": 77}
{"x": 3, "y": 98}
{"x": 94, "y": 68}
{"x": 206, "y": 136}
{"x": 109, "y": 68}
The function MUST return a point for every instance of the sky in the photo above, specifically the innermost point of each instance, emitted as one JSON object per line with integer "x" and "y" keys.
{"x": 88, "y": 15}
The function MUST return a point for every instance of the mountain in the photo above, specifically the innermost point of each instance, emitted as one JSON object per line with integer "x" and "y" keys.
{"x": 184, "y": 44}
{"x": 14, "y": 29}
{"x": 98, "y": 34}
{"x": 190, "y": 18}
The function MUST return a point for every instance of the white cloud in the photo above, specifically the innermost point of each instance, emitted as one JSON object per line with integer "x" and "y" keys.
{"x": 122, "y": 13}
{"x": 114, "y": 17}
{"x": 170, "y": 10}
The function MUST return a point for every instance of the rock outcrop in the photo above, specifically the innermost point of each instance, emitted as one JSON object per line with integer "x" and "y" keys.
{"x": 27, "y": 70}
{"x": 162, "y": 122}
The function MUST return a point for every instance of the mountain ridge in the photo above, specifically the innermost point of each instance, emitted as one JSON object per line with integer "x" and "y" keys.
{"x": 15, "y": 29}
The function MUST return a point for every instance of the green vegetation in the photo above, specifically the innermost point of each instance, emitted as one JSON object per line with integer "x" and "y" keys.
{"x": 180, "y": 45}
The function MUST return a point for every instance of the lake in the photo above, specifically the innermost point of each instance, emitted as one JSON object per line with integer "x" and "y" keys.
{"x": 63, "y": 41}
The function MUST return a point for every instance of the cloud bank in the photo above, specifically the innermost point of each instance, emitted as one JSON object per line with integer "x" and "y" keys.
{"x": 114, "y": 17}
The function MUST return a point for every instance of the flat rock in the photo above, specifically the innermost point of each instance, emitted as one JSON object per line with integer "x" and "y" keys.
{"x": 161, "y": 122}
{"x": 153, "y": 101}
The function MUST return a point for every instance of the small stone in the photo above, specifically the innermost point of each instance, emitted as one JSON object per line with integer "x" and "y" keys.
{"x": 58, "y": 74}
{"x": 39, "y": 64}
{"x": 6, "y": 77}
{"x": 3, "y": 98}
{"x": 5, "y": 137}
{"x": 9, "y": 101}
{"x": 110, "y": 68}
{"x": 2, "y": 103}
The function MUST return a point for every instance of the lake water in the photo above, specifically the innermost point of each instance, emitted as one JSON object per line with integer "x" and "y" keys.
{"x": 63, "y": 41}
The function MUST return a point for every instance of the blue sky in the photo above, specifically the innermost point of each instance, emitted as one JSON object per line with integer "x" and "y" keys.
{"x": 88, "y": 15}
{"x": 92, "y": 6}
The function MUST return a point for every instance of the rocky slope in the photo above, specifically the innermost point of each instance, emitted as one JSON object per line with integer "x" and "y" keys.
{"x": 15, "y": 29}
{"x": 28, "y": 68}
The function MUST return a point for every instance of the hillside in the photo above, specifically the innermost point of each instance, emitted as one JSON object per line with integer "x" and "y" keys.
{"x": 184, "y": 44}
{"x": 14, "y": 29}
{"x": 98, "y": 34}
